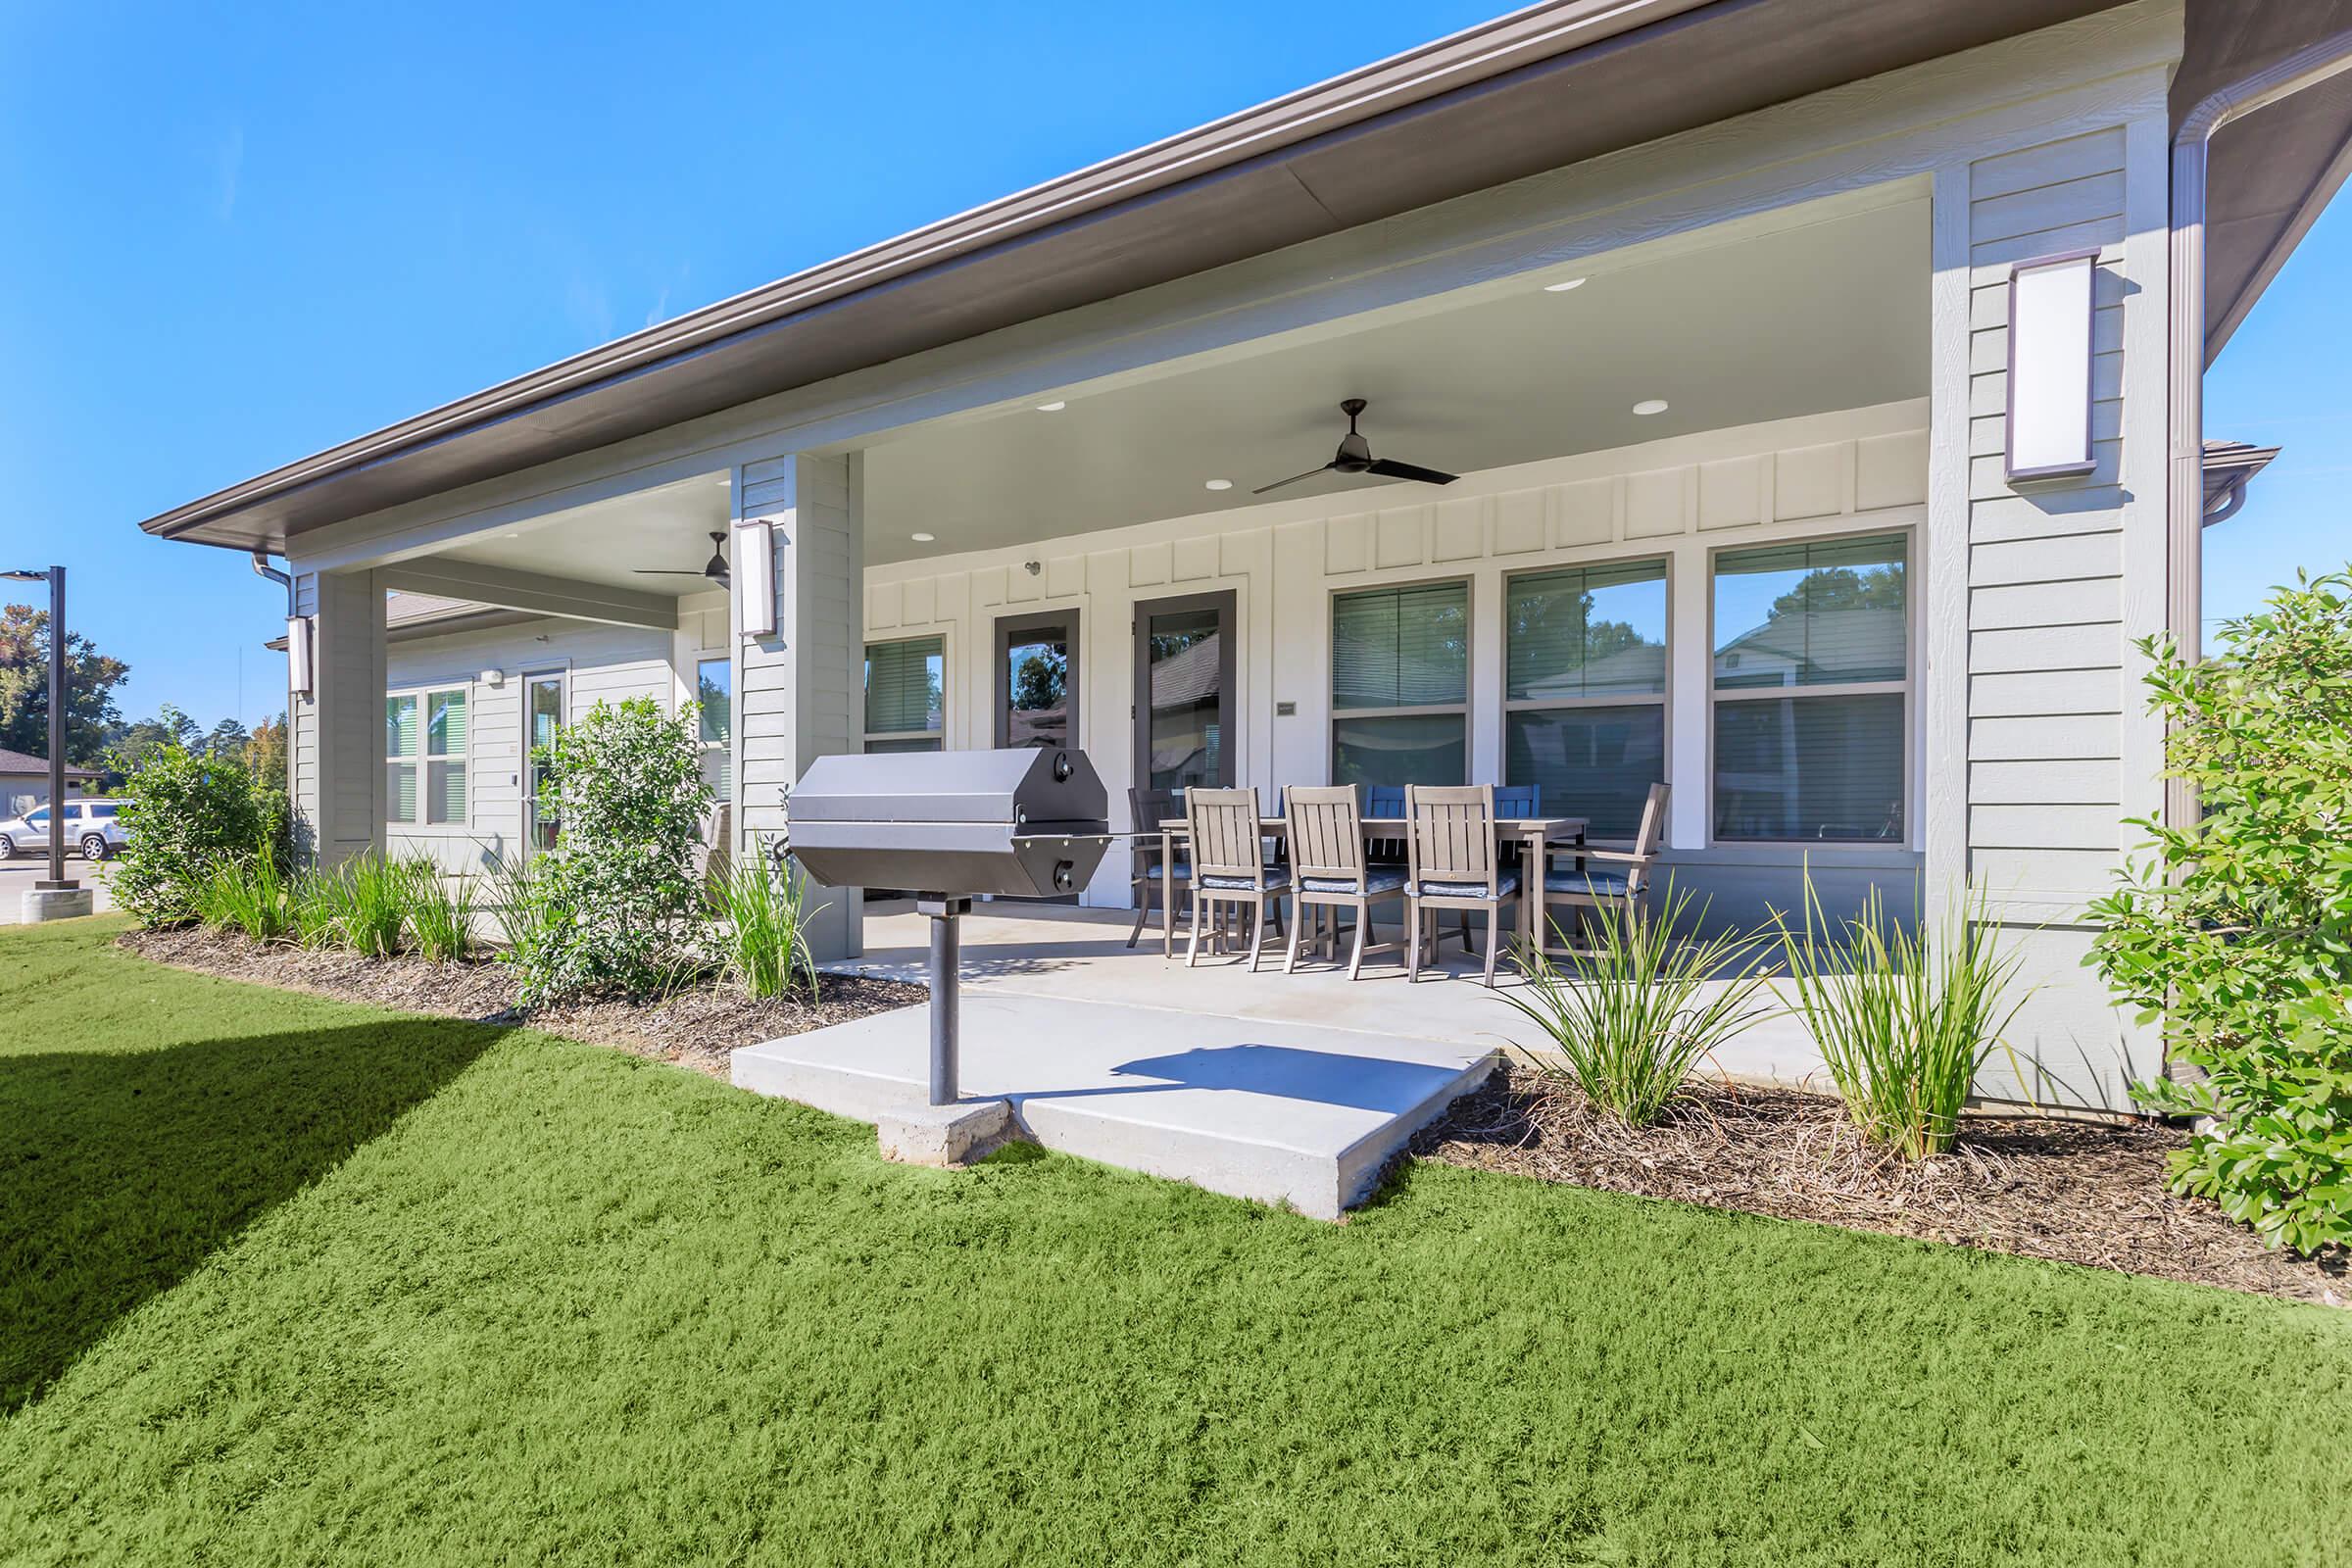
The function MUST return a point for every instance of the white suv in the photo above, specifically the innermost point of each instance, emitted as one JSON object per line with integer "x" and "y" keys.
{"x": 93, "y": 827}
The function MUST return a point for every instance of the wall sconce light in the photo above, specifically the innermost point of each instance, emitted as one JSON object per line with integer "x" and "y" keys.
{"x": 755, "y": 575}
{"x": 2049, "y": 365}
{"x": 298, "y": 655}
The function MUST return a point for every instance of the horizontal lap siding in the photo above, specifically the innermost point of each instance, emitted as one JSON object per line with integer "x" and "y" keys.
{"x": 2046, "y": 601}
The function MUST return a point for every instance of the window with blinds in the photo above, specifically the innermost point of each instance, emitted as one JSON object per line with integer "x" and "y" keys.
{"x": 1400, "y": 685}
{"x": 714, "y": 700}
{"x": 1811, "y": 691}
{"x": 1585, "y": 690}
{"x": 426, "y": 750}
{"x": 905, "y": 682}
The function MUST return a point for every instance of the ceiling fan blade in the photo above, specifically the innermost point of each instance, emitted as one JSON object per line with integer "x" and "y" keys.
{"x": 1388, "y": 469}
{"x": 669, "y": 572}
{"x": 1293, "y": 479}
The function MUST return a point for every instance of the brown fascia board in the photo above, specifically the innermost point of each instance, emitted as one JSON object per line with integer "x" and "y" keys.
{"x": 1546, "y": 86}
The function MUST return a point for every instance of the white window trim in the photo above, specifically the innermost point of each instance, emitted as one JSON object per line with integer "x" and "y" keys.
{"x": 423, "y": 693}
{"x": 1662, "y": 699}
{"x": 1915, "y": 598}
{"x": 867, "y": 737}
{"x": 1470, "y": 675}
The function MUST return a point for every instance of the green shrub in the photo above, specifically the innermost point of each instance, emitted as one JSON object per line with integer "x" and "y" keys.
{"x": 2237, "y": 931}
{"x": 760, "y": 928}
{"x": 183, "y": 814}
{"x": 248, "y": 894}
{"x": 1632, "y": 1015}
{"x": 617, "y": 905}
{"x": 440, "y": 911}
{"x": 1903, "y": 1019}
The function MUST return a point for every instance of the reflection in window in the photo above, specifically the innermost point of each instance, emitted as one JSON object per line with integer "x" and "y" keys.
{"x": 902, "y": 695}
{"x": 1585, "y": 690}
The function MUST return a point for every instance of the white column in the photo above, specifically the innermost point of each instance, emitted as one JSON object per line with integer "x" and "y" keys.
{"x": 335, "y": 748}
{"x": 800, "y": 692}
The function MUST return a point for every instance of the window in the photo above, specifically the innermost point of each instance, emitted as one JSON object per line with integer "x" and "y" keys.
{"x": 903, "y": 689}
{"x": 1585, "y": 690}
{"x": 714, "y": 692}
{"x": 1811, "y": 687}
{"x": 425, "y": 732}
{"x": 1400, "y": 685}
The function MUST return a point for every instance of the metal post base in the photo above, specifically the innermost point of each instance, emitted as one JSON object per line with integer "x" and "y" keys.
{"x": 946, "y": 944}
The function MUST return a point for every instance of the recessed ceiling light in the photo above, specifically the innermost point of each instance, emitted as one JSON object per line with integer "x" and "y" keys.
{"x": 923, "y": 538}
{"x": 1055, "y": 407}
{"x": 1220, "y": 484}
{"x": 1650, "y": 405}
{"x": 723, "y": 483}
{"x": 1563, "y": 286}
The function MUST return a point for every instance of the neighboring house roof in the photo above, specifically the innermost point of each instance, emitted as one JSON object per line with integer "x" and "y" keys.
{"x": 12, "y": 761}
{"x": 1552, "y": 84}
{"x": 2229, "y": 467}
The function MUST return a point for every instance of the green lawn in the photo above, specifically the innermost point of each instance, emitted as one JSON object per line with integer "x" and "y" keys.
{"x": 284, "y": 1280}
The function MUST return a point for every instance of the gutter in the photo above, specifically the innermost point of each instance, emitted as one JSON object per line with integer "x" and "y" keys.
{"x": 2184, "y": 488}
{"x": 1476, "y": 54}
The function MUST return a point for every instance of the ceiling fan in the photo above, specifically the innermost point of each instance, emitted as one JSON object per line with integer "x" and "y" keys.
{"x": 715, "y": 569}
{"x": 1355, "y": 456}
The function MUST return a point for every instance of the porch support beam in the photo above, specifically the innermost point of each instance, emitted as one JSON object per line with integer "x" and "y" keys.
{"x": 799, "y": 691}
{"x": 336, "y": 751}
{"x": 504, "y": 588}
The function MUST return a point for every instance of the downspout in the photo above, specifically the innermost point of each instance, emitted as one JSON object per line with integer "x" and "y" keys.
{"x": 2185, "y": 498}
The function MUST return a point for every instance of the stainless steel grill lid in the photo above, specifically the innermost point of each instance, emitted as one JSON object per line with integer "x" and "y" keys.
{"x": 1021, "y": 822}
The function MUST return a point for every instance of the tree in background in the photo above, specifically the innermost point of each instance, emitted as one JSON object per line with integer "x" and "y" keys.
{"x": 90, "y": 680}
{"x": 127, "y": 745}
{"x": 227, "y": 739}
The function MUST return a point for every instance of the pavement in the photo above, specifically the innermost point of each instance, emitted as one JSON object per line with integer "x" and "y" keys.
{"x": 21, "y": 873}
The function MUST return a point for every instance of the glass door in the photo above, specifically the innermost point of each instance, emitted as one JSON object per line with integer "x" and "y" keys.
{"x": 542, "y": 716}
{"x": 1184, "y": 683}
{"x": 1037, "y": 666}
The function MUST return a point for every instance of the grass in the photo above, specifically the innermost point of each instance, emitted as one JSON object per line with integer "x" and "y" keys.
{"x": 760, "y": 924}
{"x": 285, "y": 1280}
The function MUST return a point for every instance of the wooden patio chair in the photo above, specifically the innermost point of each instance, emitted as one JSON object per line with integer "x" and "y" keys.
{"x": 1147, "y": 809}
{"x": 1452, "y": 864}
{"x": 1606, "y": 876}
{"x": 1330, "y": 869}
{"x": 1228, "y": 865}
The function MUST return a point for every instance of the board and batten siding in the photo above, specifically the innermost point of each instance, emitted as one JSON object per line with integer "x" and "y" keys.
{"x": 600, "y": 663}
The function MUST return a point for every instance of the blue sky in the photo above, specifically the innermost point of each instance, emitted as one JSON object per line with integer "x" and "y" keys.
{"x": 236, "y": 235}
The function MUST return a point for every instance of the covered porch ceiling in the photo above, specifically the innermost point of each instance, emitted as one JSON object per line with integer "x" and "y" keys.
{"x": 1827, "y": 312}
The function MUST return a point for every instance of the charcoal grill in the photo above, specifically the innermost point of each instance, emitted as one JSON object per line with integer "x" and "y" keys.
{"x": 1024, "y": 822}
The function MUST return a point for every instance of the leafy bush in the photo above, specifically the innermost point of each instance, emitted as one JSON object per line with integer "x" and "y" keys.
{"x": 1903, "y": 1019}
{"x": 760, "y": 935}
{"x": 615, "y": 906}
{"x": 182, "y": 815}
{"x": 247, "y": 893}
{"x": 440, "y": 911}
{"x": 2239, "y": 931}
{"x": 1632, "y": 1015}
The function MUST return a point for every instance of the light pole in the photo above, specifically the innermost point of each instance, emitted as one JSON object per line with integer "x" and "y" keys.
{"x": 58, "y": 882}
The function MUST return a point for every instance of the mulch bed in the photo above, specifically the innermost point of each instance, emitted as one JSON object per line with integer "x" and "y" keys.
{"x": 695, "y": 1028}
{"x": 2076, "y": 1191}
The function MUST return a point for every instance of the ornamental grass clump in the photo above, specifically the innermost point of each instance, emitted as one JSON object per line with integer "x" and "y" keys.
{"x": 1633, "y": 1014}
{"x": 1903, "y": 1017}
{"x": 2237, "y": 931}
{"x": 440, "y": 911}
{"x": 367, "y": 899}
{"x": 761, "y": 922}
{"x": 248, "y": 893}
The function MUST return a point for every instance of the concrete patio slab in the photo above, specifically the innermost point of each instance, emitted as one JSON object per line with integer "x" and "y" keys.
{"x": 1282, "y": 1113}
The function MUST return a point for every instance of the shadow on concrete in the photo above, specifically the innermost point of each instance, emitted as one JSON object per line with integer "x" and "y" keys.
{"x": 122, "y": 1171}
{"x": 1377, "y": 1083}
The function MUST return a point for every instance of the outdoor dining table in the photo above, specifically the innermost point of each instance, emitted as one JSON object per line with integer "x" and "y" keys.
{"x": 1534, "y": 835}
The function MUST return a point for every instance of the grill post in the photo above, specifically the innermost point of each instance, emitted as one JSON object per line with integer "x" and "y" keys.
{"x": 946, "y": 942}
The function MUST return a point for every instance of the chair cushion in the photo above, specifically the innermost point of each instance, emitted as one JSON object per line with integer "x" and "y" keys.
{"x": 1604, "y": 883}
{"x": 1184, "y": 871}
{"x": 1504, "y": 886}
{"x": 1240, "y": 884}
{"x": 1382, "y": 879}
